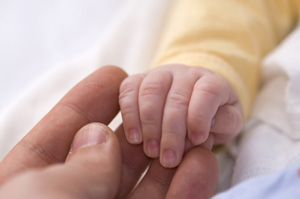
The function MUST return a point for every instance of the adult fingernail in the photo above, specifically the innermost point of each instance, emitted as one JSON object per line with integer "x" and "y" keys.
{"x": 134, "y": 136}
{"x": 89, "y": 135}
{"x": 169, "y": 158}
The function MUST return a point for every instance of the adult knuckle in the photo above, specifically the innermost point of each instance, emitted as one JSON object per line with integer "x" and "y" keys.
{"x": 41, "y": 153}
{"x": 158, "y": 179}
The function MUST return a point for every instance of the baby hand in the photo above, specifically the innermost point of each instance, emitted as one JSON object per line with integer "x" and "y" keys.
{"x": 165, "y": 105}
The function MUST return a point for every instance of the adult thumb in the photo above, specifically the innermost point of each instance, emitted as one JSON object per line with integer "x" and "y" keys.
{"x": 92, "y": 170}
{"x": 95, "y": 159}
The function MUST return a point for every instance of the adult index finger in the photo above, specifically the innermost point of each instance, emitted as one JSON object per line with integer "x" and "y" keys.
{"x": 94, "y": 99}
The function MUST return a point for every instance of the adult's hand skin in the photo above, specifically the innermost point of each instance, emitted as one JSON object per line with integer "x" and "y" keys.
{"x": 102, "y": 164}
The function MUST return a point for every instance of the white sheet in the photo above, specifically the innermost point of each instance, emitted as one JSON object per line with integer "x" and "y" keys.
{"x": 272, "y": 139}
{"x": 126, "y": 34}
{"x": 36, "y": 36}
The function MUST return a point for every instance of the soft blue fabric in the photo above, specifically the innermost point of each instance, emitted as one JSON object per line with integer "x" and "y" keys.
{"x": 284, "y": 184}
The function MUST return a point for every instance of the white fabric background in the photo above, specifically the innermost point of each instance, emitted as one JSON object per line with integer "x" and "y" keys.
{"x": 49, "y": 47}
{"x": 36, "y": 35}
{"x": 271, "y": 140}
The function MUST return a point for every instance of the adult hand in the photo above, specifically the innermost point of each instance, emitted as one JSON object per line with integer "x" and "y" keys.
{"x": 102, "y": 164}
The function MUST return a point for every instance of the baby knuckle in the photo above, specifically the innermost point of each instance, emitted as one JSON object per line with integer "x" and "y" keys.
{"x": 150, "y": 125}
{"x": 127, "y": 110}
{"x": 123, "y": 95}
{"x": 124, "y": 100}
{"x": 209, "y": 87}
{"x": 147, "y": 113}
{"x": 151, "y": 88}
{"x": 126, "y": 103}
{"x": 156, "y": 83}
{"x": 174, "y": 133}
{"x": 131, "y": 85}
{"x": 195, "y": 119}
{"x": 126, "y": 88}
{"x": 178, "y": 99}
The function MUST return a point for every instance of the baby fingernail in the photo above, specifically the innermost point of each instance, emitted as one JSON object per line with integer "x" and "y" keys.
{"x": 153, "y": 148}
{"x": 134, "y": 136}
{"x": 197, "y": 138}
{"x": 169, "y": 158}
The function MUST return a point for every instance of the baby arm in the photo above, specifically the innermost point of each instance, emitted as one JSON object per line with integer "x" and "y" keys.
{"x": 163, "y": 107}
{"x": 166, "y": 105}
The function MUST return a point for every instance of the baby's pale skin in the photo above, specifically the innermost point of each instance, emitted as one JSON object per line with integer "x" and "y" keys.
{"x": 173, "y": 105}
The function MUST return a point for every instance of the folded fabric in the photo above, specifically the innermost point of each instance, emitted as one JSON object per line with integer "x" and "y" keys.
{"x": 271, "y": 140}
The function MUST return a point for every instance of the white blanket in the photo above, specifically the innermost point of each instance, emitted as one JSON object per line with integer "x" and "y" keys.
{"x": 271, "y": 140}
{"x": 129, "y": 40}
